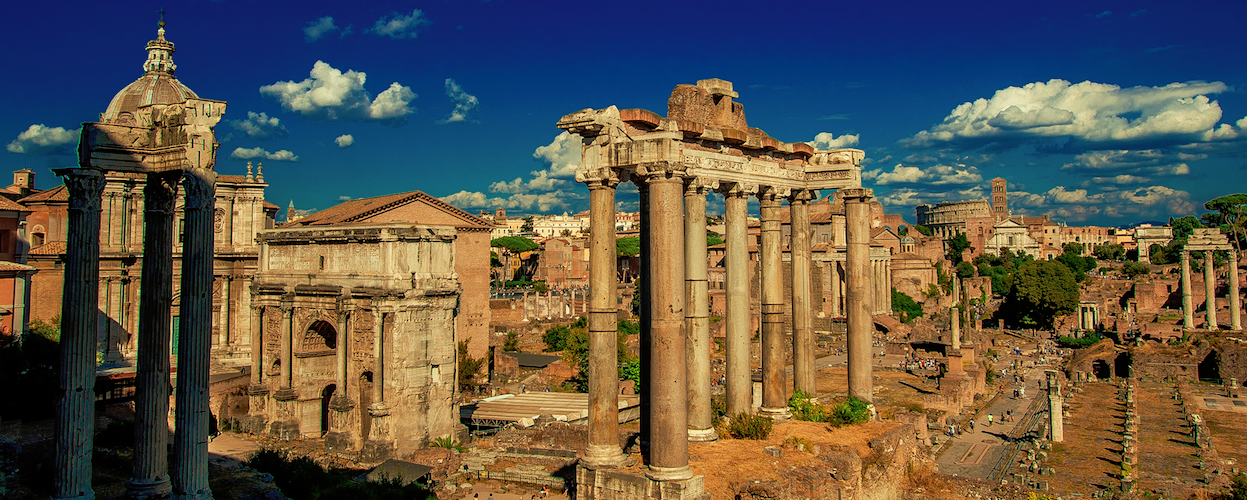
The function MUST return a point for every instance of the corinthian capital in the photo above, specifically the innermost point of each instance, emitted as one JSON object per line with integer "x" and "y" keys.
{"x": 857, "y": 194}
{"x": 737, "y": 189}
{"x": 799, "y": 195}
{"x": 598, "y": 177}
{"x": 86, "y": 188}
{"x": 700, "y": 185}
{"x": 200, "y": 185}
{"x": 160, "y": 193}
{"x": 766, "y": 193}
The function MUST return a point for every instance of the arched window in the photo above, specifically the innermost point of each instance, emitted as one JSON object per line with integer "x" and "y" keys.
{"x": 320, "y": 336}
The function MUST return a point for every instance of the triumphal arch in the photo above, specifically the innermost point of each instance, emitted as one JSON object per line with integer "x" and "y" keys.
{"x": 704, "y": 145}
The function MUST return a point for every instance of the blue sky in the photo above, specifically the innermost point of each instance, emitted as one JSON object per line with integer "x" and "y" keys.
{"x": 1096, "y": 112}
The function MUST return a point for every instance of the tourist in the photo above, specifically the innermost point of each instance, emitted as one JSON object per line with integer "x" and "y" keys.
{"x": 989, "y": 419}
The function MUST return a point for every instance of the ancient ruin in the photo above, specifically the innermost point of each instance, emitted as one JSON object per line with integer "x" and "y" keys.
{"x": 704, "y": 144}
{"x": 165, "y": 134}
{"x": 1209, "y": 241}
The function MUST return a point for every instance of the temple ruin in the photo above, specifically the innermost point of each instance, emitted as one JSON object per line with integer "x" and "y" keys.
{"x": 704, "y": 144}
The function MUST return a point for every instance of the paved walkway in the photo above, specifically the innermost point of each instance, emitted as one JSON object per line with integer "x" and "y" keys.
{"x": 975, "y": 452}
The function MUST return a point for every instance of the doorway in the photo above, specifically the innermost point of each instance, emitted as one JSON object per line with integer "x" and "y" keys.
{"x": 326, "y": 396}
{"x": 365, "y": 400}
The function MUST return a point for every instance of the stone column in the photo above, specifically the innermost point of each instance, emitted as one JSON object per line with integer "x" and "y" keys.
{"x": 285, "y": 425}
{"x": 75, "y": 407}
{"x": 380, "y": 446}
{"x": 836, "y": 311}
{"x": 151, "y": 396}
{"x": 646, "y": 335}
{"x": 1235, "y": 320}
{"x": 341, "y": 435}
{"x": 1210, "y": 291}
{"x": 956, "y": 324}
{"x": 603, "y": 448}
{"x": 257, "y": 392}
{"x": 1056, "y": 425}
{"x": 802, "y": 293}
{"x": 860, "y": 324}
{"x": 774, "y": 363}
{"x": 190, "y": 439}
{"x": 1188, "y": 314}
{"x": 697, "y": 312}
{"x": 224, "y": 337}
{"x": 738, "y": 336}
{"x": 668, "y": 375}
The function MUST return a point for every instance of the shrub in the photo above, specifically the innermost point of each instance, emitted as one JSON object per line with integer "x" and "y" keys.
{"x": 512, "y": 344}
{"x": 448, "y": 443}
{"x": 909, "y": 309}
{"x": 746, "y": 426}
{"x": 852, "y": 411}
{"x": 556, "y": 338}
{"x": 1135, "y": 269}
{"x": 468, "y": 367}
{"x": 1080, "y": 343}
{"x": 1238, "y": 487}
{"x": 805, "y": 408}
{"x": 718, "y": 406}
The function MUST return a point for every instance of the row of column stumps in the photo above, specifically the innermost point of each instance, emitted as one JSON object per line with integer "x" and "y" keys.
{"x": 675, "y": 317}
{"x": 75, "y": 407}
{"x": 1210, "y": 288}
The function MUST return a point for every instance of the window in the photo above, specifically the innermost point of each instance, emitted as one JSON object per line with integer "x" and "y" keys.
{"x": 322, "y": 262}
{"x": 36, "y": 240}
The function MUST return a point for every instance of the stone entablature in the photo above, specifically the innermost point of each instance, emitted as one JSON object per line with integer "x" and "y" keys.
{"x": 359, "y": 319}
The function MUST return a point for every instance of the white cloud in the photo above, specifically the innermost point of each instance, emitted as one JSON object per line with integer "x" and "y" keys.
{"x": 247, "y": 154}
{"x": 345, "y": 140}
{"x": 260, "y": 126}
{"x": 1091, "y": 113}
{"x": 464, "y": 102}
{"x": 399, "y": 26}
{"x": 314, "y": 30}
{"x": 563, "y": 154}
{"x": 543, "y": 202}
{"x": 1242, "y": 124}
{"x": 541, "y": 181}
{"x": 1136, "y": 161}
{"x": 345, "y": 198}
{"x": 937, "y": 175}
{"x": 330, "y": 94}
{"x": 1120, "y": 179}
{"x": 825, "y": 140}
{"x": 40, "y": 139}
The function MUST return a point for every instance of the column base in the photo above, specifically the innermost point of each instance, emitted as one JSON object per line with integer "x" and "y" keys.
{"x": 657, "y": 473}
{"x": 603, "y": 456}
{"x": 204, "y": 494}
{"x": 340, "y": 442}
{"x": 376, "y": 451}
{"x": 285, "y": 430}
{"x": 703, "y": 435}
{"x": 616, "y": 485}
{"x": 779, "y": 414}
{"x": 254, "y": 423}
{"x": 142, "y": 489}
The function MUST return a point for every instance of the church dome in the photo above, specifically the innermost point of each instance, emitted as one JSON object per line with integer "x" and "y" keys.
{"x": 156, "y": 86}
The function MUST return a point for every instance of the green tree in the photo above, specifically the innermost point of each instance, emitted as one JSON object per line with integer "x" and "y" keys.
{"x": 1043, "y": 290}
{"x": 1072, "y": 247}
{"x": 1077, "y": 264}
{"x": 556, "y": 338}
{"x": 528, "y": 225}
{"x": 712, "y": 240}
{"x": 1135, "y": 269}
{"x": 909, "y": 309}
{"x": 956, "y": 246}
{"x": 1231, "y": 208}
{"x": 468, "y": 367}
{"x": 514, "y": 243}
{"x": 965, "y": 270}
{"x": 628, "y": 247}
{"x": 512, "y": 343}
{"x": 903, "y": 230}
{"x": 926, "y": 231}
{"x": 1184, "y": 226}
{"x": 1114, "y": 252}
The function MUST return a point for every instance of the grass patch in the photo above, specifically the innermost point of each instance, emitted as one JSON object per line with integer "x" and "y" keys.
{"x": 746, "y": 426}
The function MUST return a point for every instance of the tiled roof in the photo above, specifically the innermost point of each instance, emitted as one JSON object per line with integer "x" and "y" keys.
{"x": 53, "y": 248}
{"x": 231, "y": 178}
{"x": 356, "y": 210}
{"x": 7, "y": 204}
{"x": 58, "y": 193}
{"x": 13, "y": 266}
{"x": 271, "y": 205}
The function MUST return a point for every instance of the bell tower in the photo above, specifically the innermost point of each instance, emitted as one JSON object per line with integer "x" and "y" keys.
{"x": 1000, "y": 199}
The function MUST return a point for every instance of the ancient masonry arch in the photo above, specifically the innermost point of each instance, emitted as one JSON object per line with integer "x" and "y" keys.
{"x": 704, "y": 144}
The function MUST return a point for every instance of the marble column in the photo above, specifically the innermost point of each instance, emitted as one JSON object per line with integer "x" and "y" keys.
{"x": 697, "y": 312}
{"x": 75, "y": 406}
{"x": 668, "y": 375}
{"x": 603, "y": 447}
{"x": 341, "y": 435}
{"x": 190, "y": 439}
{"x": 738, "y": 335}
{"x": 646, "y": 334}
{"x": 1235, "y": 320}
{"x": 774, "y": 361}
{"x": 1210, "y": 291}
{"x": 1188, "y": 312}
{"x": 380, "y": 445}
{"x": 857, "y": 269}
{"x": 151, "y": 396}
{"x": 802, "y": 309}
{"x": 224, "y": 336}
